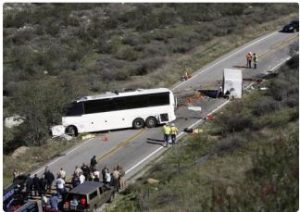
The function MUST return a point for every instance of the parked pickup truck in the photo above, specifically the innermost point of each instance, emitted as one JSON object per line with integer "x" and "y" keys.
{"x": 293, "y": 26}
{"x": 88, "y": 196}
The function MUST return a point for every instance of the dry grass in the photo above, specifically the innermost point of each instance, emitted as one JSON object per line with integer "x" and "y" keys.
{"x": 193, "y": 60}
{"x": 34, "y": 158}
{"x": 261, "y": 170}
{"x": 164, "y": 76}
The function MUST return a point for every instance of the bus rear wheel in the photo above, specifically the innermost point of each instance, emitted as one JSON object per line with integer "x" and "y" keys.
{"x": 151, "y": 122}
{"x": 72, "y": 131}
{"x": 138, "y": 123}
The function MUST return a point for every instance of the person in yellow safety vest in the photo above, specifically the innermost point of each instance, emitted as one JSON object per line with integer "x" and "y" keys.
{"x": 174, "y": 132}
{"x": 197, "y": 131}
{"x": 167, "y": 133}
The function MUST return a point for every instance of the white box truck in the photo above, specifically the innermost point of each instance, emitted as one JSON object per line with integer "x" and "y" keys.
{"x": 233, "y": 83}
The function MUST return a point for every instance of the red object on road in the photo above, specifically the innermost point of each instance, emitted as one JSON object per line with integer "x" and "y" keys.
{"x": 104, "y": 138}
{"x": 210, "y": 117}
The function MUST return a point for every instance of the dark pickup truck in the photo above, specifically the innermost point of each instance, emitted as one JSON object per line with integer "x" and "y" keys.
{"x": 88, "y": 196}
{"x": 13, "y": 195}
{"x": 293, "y": 26}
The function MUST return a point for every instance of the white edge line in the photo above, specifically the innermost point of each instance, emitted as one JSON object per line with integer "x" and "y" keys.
{"x": 197, "y": 122}
{"x": 179, "y": 135}
{"x": 140, "y": 162}
{"x": 225, "y": 58}
{"x": 57, "y": 159}
{"x": 279, "y": 64}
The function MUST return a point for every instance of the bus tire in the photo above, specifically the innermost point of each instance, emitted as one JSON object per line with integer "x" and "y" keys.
{"x": 138, "y": 123}
{"x": 72, "y": 131}
{"x": 151, "y": 122}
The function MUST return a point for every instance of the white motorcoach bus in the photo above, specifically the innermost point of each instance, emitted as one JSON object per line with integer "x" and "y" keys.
{"x": 132, "y": 109}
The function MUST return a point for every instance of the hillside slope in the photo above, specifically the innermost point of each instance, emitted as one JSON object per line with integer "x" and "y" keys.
{"x": 54, "y": 53}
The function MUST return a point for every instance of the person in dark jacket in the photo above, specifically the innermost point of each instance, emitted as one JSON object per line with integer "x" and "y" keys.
{"x": 54, "y": 200}
{"x": 96, "y": 178}
{"x": 29, "y": 185}
{"x": 43, "y": 186}
{"x": 75, "y": 180}
{"x": 49, "y": 176}
{"x": 86, "y": 171}
{"x": 93, "y": 162}
{"x": 36, "y": 185}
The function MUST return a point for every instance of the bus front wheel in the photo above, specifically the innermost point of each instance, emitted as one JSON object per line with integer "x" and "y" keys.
{"x": 138, "y": 123}
{"x": 72, "y": 131}
{"x": 151, "y": 122}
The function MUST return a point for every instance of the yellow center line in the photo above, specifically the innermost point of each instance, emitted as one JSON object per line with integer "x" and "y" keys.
{"x": 130, "y": 139}
{"x": 277, "y": 46}
{"x": 117, "y": 147}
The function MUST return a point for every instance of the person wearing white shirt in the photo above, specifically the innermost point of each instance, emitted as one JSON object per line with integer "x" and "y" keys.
{"x": 81, "y": 178}
{"x": 62, "y": 173}
{"x": 60, "y": 185}
{"x": 96, "y": 173}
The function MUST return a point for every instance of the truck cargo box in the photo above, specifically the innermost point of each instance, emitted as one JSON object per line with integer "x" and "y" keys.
{"x": 233, "y": 83}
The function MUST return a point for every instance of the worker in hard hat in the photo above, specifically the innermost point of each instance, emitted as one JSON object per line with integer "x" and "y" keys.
{"x": 174, "y": 132}
{"x": 249, "y": 59}
{"x": 254, "y": 60}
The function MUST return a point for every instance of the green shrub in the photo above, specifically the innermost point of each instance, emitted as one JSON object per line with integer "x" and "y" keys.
{"x": 123, "y": 74}
{"x": 292, "y": 100}
{"x": 230, "y": 143}
{"x": 127, "y": 53}
{"x": 147, "y": 65}
{"x": 266, "y": 105}
{"x": 278, "y": 119}
{"x": 132, "y": 39}
{"x": 234, "y": 121}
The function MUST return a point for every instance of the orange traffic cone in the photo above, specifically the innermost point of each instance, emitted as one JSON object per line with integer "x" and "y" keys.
{"x": 104, "y": 138}
{"x": 210, "y": 117}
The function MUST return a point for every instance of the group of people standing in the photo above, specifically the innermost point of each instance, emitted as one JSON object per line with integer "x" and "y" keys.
{"x": 41, "y": 186}
{"x": 251, "y": 58}
{"x": 91, "y": 173}
{"x": 170, "y": 132}
{"x": 115, "y": 178}
{"x": 38, "y": 186}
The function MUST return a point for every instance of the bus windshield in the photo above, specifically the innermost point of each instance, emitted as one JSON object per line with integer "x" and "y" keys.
{"x": 74, "y": 109}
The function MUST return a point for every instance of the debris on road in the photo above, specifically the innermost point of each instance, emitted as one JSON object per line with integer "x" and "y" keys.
{"x": 57, "y": 130}
{"x": 67, "y": 137}
{"x": 210, "y": 117}
{"x": 186, "y": 76}
{"x": 193, "y": 131}
{"x": 195, "y": 108}
{"x": 104, "y": 137}
{"x": 152, "y": 181}
{"x": 88, "y": 136}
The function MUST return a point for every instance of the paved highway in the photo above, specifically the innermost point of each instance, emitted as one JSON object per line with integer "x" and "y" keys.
{"x": 133, "y": 149}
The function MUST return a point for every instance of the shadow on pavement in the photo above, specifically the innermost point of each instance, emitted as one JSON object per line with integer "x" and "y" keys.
{"x": 155, "y": 141}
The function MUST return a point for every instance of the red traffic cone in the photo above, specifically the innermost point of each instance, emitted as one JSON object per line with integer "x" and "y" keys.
{"x": 210, "y": 117}
{"x": 104, "y": 138}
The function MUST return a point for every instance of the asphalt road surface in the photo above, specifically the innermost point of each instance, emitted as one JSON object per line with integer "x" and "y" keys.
{"x": 134, "y": 149}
